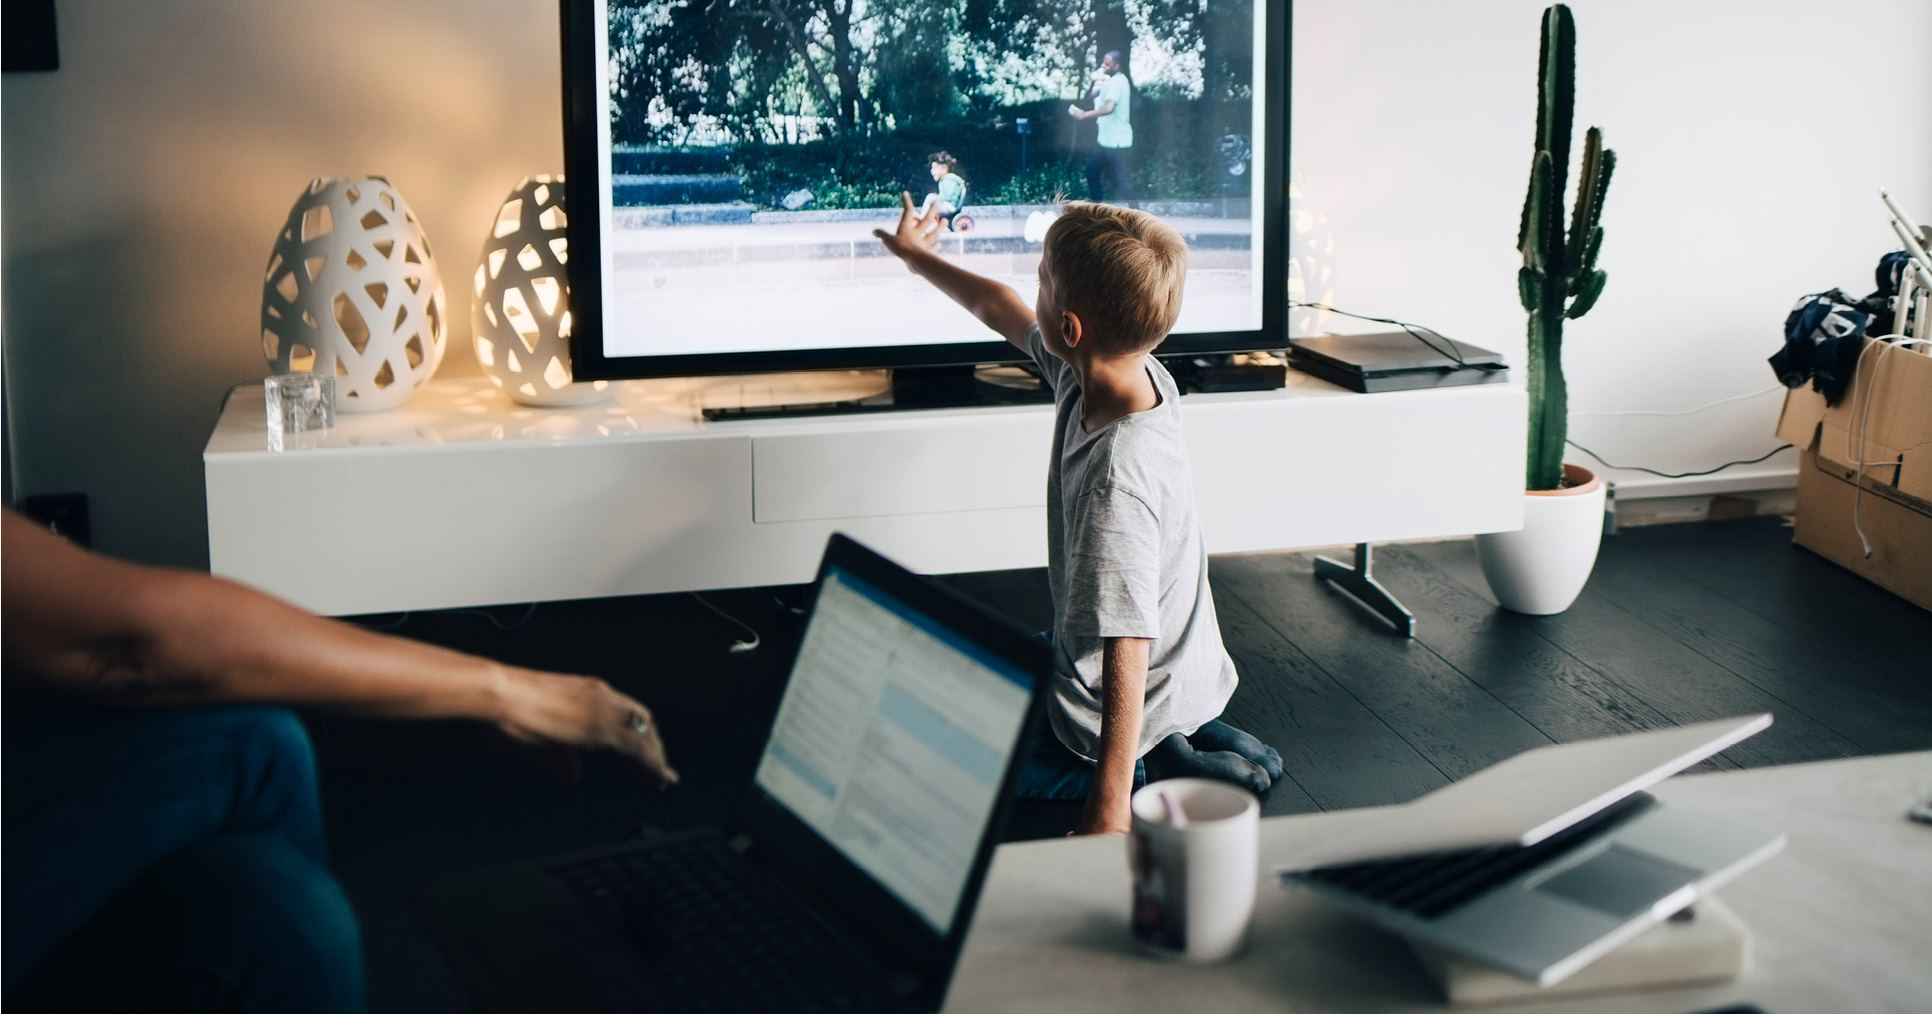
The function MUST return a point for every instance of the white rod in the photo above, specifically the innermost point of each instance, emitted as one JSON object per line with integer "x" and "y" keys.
{"x": 1908, "y": 231}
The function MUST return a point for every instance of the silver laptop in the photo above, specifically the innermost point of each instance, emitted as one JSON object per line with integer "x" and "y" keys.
{"x": 1542, "y": 863}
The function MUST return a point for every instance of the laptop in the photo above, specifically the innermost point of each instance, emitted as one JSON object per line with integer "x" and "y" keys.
{"x": 1544, "y": 862}
{"x": 847, "y": 876}
{"x": 1395, "y": 361}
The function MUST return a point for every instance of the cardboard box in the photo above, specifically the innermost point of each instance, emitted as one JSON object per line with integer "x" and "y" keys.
{"x": 1886, "y": 422}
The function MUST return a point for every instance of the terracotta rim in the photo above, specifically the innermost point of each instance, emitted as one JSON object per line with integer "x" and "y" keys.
{"x": 1581, "y": 480}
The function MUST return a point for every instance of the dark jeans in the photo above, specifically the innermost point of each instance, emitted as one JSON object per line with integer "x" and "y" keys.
{"x": 170, "y": 861}
{"x": 1051, "y": 771}
{"x": 1109, "y": 162}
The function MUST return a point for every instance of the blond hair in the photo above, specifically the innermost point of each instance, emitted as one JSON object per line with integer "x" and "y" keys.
{"x": 1120, "y": 270}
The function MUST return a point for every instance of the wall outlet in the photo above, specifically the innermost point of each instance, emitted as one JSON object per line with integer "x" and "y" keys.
{"x": 64, "y": 513}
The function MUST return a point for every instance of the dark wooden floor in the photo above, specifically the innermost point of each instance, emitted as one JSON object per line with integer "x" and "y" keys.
{"x": 1679, "y": 624}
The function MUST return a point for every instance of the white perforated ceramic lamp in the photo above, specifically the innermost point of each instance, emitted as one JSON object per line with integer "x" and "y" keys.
{"x": 352, "y": 290}
{"x": 522, "y": 308}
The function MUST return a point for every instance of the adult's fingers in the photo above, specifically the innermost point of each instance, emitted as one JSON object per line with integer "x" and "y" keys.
{"x": 636, "y": 736}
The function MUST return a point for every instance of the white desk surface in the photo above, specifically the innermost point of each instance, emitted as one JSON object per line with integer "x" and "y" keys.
{"x": 1840, "y": 921}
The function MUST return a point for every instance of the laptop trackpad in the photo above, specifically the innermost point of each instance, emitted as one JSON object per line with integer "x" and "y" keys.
{"x": 1618, "y": 881}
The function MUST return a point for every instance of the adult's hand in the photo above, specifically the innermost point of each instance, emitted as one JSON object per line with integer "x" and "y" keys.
{"x": 582, "y": 712}
{"x": 916, "y": 234}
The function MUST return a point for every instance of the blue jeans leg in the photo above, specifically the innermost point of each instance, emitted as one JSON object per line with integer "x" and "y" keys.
{"x": 234, "y": 923}
{"x": 1051, "y": 771}
{"x": 97, "y": 803}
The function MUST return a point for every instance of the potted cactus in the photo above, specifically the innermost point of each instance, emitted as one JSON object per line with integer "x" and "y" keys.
{"x": 1542, "y": 568}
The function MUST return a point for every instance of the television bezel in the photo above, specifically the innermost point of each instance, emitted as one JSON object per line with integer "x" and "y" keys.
{"x": 585, "y": 231}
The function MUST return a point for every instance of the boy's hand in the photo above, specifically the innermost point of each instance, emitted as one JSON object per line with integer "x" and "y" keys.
{"x": 916, "y": 234}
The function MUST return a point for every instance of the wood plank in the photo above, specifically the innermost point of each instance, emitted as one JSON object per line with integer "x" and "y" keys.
{"x": 1679, "y": 683}
{"x": 1460, "y": 727}
{"x": 1754, "y": 563}
{"x": 1881, "y": 708}
{"x": 1335, "y": 749}
{"x": 1502, "y": 652}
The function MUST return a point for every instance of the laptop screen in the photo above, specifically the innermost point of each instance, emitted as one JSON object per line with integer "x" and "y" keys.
{"x": 891, "y": 741}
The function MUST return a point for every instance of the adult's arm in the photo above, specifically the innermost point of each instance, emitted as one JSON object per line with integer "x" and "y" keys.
{"x": 84, "y": 625}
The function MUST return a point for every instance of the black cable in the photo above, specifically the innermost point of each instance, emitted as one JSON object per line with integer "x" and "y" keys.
{"x": 737, "y": 647}
{"x": 528, "y": 611}
{"x": 1453, "y": 353}
{"x": 1677, "y": 475}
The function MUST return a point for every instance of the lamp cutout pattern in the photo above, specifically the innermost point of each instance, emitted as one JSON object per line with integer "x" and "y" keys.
{"x": 352, "y": 290}
{"x": 522, "y": 308}
{"x": 1311, "y": 260}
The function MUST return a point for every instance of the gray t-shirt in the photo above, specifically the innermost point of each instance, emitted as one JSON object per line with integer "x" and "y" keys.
{"x": 1125, "y": 558}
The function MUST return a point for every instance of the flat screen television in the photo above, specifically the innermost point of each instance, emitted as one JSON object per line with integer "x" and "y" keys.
{"x": 727, "y": 161}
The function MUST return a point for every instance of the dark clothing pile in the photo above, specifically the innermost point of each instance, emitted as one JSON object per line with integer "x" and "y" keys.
{"x": 1825, "y": 331}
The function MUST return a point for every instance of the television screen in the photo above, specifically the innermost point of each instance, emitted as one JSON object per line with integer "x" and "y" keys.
{"x": 727, "y": 161}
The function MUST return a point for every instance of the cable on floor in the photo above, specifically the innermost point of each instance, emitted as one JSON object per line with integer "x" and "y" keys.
{"x": 528, "y": 612}
{"x": 740, "y": 647}
{"x": 1678, "y": 475}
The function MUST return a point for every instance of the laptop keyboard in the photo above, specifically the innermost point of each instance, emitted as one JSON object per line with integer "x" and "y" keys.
{"x": 1434, "y": 884}
{"x": 721, "y": 942}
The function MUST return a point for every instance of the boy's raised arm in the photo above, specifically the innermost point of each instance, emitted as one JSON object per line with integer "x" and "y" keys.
{"x": 916, "y": 242}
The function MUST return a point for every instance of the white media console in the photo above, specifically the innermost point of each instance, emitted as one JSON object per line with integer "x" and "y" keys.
{"x": 461, "y": 498}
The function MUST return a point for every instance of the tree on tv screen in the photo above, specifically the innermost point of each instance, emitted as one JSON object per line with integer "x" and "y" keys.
{"x": 712, "y": 72}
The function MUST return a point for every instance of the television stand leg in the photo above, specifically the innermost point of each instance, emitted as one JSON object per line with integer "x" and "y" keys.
{"x": 1365, "y": 589}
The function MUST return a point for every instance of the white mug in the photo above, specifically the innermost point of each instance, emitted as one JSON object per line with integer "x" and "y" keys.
{"x": 1194, "y": 857}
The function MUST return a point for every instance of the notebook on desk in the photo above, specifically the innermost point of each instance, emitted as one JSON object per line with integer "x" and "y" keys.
{"x": 1544, "y": 862}
{"x": 1395, "y": 361}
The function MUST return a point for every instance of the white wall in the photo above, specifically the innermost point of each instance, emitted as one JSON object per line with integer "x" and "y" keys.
{"x": 1752, "y": 138}
{"x": 147, "y": 178}
{"x": 145, "y": 181}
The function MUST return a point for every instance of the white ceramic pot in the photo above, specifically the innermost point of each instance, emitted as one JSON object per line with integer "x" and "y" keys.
{"x": 1541, "y": 569}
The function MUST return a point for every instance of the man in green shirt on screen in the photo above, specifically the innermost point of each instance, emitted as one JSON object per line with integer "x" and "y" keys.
{"x": 1113, "y": 98}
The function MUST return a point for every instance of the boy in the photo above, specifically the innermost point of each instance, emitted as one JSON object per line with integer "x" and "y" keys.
{"x": 1139, "y": 668}
{"x": 951, "y": 195}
